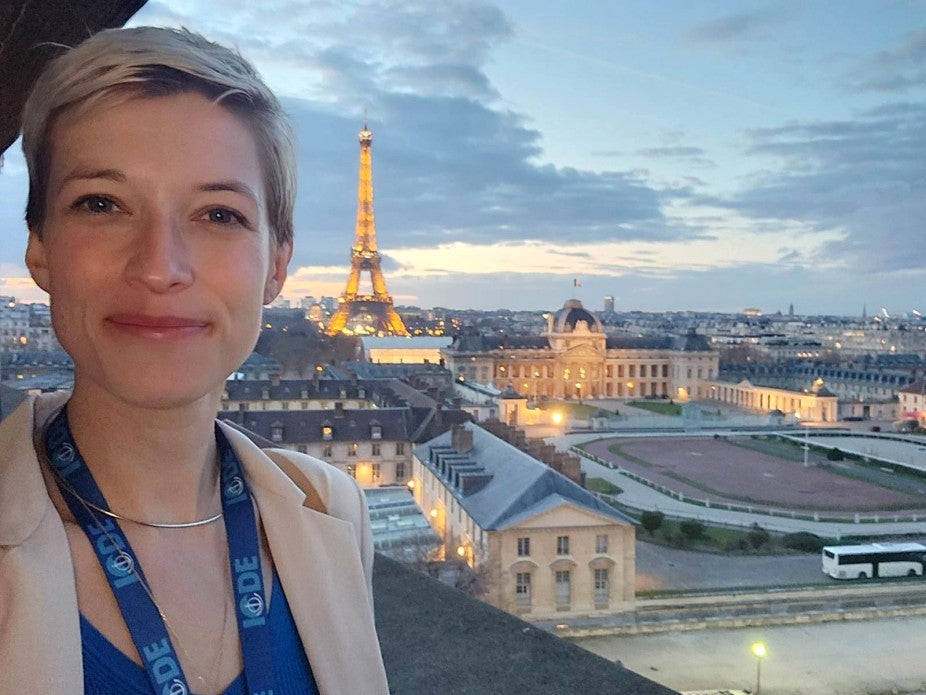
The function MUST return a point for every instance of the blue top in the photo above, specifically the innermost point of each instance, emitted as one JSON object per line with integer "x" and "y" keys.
{"x": 107, "y": 671}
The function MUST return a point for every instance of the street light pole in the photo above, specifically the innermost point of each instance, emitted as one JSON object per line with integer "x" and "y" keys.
{"x": 758, "y": 649}
{"x": 806, "y": 445}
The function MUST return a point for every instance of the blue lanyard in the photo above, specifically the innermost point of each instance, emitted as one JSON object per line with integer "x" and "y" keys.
{"x": 128, "y": 583}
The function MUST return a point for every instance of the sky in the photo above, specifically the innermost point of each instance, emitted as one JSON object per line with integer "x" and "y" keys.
{"x": 679, "y": 155}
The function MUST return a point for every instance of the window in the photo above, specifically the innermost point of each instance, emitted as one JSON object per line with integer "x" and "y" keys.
{"x": 377, "y": 471}
{"x": 284, "y": 405}
{"x": 352, "y": 449}
{"x": 352, "y": 470}
{"x": 522, "y": 588}
{"x": 601, "y": 543}
{"x": 327, "y": 432}
{"x": 276, "y": 433}
{"x": 562, "y": 545}
{"x": 377, "y": 450}
{"x": 326, "y": 451}
{"x": 602, "y": 587}
{"x": 632, "y": 370}
{"x": 400, "y": 471}
{"x": 562, "y": 588}
{"x": 376, "y": 432}
{"x": 400, "y": 448}
{"x": 642, "y": 370}
{"x": 524, "y": 547}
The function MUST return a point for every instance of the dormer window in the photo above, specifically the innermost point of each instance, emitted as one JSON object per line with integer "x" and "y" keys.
{"x": 265, "y": 393}
{"x": 361, "y": 392}
{"x": 276, "y": 432}
{"x": 376, "y": 431}
{"x": 327, "y": 432}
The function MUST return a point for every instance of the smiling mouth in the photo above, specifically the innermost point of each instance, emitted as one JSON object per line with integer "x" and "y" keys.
{"x": 157, "y": 326}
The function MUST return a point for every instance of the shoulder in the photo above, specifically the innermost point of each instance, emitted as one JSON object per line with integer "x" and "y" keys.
{"x": 324, "y": 486}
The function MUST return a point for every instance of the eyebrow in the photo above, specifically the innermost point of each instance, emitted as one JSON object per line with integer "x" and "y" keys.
{"x": 232, "y": 186}
{"x": 81, "y": 174}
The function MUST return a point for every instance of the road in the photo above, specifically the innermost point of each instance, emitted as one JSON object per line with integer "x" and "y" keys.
{"x": 659, "y": 567}
{"x": 852, "y": 658}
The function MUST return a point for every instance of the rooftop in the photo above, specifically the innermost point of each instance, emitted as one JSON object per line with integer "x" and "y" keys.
{"x": 498, "y": 484}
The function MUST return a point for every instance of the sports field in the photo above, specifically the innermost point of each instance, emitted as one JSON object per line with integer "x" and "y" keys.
{"x": 723, "y": 471}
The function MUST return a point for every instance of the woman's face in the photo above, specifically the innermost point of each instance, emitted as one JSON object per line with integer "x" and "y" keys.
{"x": 156, "y": 250}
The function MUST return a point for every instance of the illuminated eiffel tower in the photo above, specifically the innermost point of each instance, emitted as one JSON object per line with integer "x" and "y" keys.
{"x": 365, "y": 313}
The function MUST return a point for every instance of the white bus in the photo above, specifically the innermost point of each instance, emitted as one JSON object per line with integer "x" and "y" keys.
{"x": 874, "y": 560}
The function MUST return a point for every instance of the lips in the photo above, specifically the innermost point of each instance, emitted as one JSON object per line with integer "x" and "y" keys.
{"x": 158, "y": 326}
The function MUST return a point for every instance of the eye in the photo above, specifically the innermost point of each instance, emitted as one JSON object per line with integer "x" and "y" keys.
{"x": 225, "y": 216}
{"x": 96, "y": 204}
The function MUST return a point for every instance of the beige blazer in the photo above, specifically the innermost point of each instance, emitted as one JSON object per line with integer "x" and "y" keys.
{"x": 316, "y": 523}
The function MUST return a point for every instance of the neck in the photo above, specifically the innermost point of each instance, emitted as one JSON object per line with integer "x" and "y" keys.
{"x": 151, "y": 464}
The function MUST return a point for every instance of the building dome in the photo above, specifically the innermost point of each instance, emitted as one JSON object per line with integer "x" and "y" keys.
{"x": 573, "y": 314}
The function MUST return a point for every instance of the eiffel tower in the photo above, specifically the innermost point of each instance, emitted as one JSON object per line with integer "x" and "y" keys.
{"x": 366, "y": 313}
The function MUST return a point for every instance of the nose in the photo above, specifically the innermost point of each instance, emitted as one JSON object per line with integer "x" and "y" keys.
{"x": 159, "y": 257}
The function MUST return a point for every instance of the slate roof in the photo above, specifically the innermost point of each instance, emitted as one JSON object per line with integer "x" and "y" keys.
{"x": 405, "y": 342}
{"x": 503, "y": 483}
{"x": 346, "y": 425}
{"x": 290, "y": 389}
{"x": 917, "y": 387}
{"x": 404, "y": 424}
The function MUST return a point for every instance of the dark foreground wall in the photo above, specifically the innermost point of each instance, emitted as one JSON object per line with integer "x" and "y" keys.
{"x": 436, "y": 639}
{"x": 28, "y": 28}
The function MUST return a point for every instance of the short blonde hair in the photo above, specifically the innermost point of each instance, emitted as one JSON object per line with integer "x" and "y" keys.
{"x": 152, "y": 62}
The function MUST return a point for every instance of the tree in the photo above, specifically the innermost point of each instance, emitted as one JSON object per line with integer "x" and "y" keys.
{"x": 757, "y": 537}
{"x": 691, "y": 530}
{"x": 652, "y": 521}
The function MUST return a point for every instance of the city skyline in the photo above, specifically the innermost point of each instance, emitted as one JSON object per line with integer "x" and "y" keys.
{"x": 674, "y": 157}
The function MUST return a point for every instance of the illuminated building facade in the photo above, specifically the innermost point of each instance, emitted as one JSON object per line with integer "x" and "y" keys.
{"x": 365, "y": 313}
{"x": 542, "y": 545}
{"x": 574, "y": 358}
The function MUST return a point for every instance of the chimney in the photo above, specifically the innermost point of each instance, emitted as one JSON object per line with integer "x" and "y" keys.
{"x": 461, "y": 439}
{"x": 439, "y": 419}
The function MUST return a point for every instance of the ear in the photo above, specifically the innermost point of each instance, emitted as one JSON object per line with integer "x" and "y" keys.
{"x": 37, "y": 261}
{"x": 276, "y": 275}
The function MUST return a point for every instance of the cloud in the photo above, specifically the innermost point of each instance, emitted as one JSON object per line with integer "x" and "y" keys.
{"x": 897, "y": 69}
{"x": 861, "y": 177}
{"x": 742, "y": 25}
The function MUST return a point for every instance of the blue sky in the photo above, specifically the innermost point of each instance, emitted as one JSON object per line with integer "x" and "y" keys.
{"x": 675, "y": 155}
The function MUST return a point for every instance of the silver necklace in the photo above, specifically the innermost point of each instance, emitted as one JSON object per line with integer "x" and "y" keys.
{"x": 151, "y": 524}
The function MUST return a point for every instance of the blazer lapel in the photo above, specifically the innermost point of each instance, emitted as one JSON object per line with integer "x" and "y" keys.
{"x": 318, "y": 561}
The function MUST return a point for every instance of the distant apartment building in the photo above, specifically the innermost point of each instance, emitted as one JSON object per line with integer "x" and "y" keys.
{"x": 913, "y": 402}
{"x": 365, "y": 429}
{"x": 574, "y": 358}
{"x": 26, "y": 327}
{"x": 373, "y": 446}
{"x": 542, "y": 545}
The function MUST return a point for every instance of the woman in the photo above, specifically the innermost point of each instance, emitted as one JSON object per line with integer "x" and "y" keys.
{"x": 143, "y": 547}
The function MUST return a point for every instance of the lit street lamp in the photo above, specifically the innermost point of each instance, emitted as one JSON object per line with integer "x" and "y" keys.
{"x": 758, "y": 649}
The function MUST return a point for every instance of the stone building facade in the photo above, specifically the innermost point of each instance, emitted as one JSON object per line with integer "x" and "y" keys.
{"x": 574, "y": 358}
{"x": 542, "y": 545}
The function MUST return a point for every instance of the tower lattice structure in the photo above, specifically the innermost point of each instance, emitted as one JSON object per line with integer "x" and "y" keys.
{"x": 373, "y": 313}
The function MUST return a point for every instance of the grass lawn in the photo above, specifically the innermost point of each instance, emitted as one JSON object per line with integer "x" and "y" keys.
{"x": 659, "y": 407}
{"x": 603, "y": 486}
{"x": 573, "y": 408}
